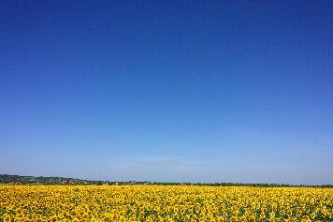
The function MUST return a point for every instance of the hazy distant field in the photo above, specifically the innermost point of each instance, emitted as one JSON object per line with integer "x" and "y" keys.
{"x": 164, "y": 203}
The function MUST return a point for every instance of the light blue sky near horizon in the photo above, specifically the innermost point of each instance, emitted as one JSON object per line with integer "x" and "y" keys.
{"x": 174, "y": 91}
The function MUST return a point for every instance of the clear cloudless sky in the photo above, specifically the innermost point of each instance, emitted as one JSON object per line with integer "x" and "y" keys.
{"x": 197, "y": 91}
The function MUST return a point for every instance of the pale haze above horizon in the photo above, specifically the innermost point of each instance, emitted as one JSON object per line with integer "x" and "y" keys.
{"x": 168, "y": 91}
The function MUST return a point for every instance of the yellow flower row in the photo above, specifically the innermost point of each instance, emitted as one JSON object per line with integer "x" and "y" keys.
{"x": 163, "y": 203}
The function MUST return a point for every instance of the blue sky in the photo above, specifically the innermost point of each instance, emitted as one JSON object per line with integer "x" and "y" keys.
{"x": 198, "y": 91}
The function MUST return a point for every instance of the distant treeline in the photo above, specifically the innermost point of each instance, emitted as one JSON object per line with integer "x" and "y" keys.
{"x": 17, "y": 179}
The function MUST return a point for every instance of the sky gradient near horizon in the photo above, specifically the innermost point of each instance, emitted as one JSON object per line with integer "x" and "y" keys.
{"x": 174, "y": 91}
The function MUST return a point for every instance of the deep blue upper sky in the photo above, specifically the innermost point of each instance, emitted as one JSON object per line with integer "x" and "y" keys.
{"x": 209, "y": 91}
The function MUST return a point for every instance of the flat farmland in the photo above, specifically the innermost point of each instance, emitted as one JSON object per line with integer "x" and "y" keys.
{"x": 82, "y": 203}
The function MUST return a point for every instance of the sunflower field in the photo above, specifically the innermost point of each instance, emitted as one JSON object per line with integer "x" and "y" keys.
{"x": 81, "y": 203}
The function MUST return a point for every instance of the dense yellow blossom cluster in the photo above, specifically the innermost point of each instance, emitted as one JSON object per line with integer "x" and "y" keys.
{"x": 163, "y": 203}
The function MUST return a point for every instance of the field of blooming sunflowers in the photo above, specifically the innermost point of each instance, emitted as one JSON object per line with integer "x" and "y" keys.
{"x": 38, "y": 203}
